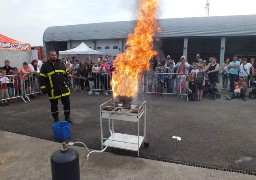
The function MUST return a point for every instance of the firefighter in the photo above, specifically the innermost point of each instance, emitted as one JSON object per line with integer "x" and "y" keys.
{"x": 52, "y": 80}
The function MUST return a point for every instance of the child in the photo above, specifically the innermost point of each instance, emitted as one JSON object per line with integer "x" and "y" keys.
{"x": 105, "y": 76}
{"x": 91, "y": 83}
{"x": 200, "y": 79}
{"x": 149, "y": 78}
{"x": 237, "y": 91}
{"x": 3, "y": 88}
{"x": 192, "y": 93}
{"x": 11, "y": 89}
{"x": 194, "y": 70}
{"x": 181, "y": 82}
{"x": 160, "y": 80}
{"x": 17, "y": 82}
{"x": 170, "y": 78}
{"x": 240, "y": 89}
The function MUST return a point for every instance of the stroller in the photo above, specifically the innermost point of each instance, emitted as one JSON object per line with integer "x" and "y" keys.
{"x": 211, "y": 89}
{"x": 252, "y": 93}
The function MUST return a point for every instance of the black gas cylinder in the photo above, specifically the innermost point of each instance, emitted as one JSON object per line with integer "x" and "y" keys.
{"x": 65, "y": 165}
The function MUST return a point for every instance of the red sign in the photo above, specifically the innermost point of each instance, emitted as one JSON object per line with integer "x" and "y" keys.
{"x": 15, "y": 46}
{"x": 12, "y": 44}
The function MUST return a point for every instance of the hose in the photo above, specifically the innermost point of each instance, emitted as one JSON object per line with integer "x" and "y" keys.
{"x": 93, "y": 151}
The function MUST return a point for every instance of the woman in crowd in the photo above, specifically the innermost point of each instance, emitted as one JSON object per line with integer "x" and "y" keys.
{"x": 224, "y": 73}
{"x": 69, "y": 74}
{"x": 34, "y": 66}
{"x": 96, "y": 76}
{"x": 105, "y": 75}
{"x": 200, "y": 82}
{"x": 82, "y": 74}
{"x": 213, "y": 69}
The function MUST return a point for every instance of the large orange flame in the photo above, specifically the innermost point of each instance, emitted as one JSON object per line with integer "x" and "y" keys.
{"x": 130, "y": 65}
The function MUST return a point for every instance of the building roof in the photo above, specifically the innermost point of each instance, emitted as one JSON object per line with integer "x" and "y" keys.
{"x": 241, "y": 25}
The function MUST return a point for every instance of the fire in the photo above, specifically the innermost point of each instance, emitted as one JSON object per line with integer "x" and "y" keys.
{"x": 130, "y": 65}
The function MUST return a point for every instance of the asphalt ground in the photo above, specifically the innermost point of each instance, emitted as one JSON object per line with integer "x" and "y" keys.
{"x": 214, "y": 133}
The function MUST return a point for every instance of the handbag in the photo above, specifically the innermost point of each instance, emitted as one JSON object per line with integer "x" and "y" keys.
{"x": 248, "y": 77}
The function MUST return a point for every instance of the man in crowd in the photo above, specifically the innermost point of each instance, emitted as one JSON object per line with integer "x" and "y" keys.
{"x": 197, "y": 58}
{"x": 182, "y": 66}
{"x": 112, "y": 67}
{"x": 7, "y": 67}
{"x": 52, "y": 80}
{"x": 233, "y": 72}
{"x": 168, "y": 58}
{"x": 244, "y": 71}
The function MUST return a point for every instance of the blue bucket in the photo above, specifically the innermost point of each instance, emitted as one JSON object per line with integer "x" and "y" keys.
{"x": 61, "y": 130}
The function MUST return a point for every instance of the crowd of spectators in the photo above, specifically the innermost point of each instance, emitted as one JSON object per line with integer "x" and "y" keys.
{"x": 164, "y": 73}
{"x": 94, "y": 76}
{"x": 84, "y": 75}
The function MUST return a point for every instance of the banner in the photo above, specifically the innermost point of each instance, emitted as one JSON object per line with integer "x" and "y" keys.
{"x": 15, "y": 46}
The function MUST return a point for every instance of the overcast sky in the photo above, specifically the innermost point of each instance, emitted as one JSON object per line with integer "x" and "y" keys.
{"x": 27, "y": 20}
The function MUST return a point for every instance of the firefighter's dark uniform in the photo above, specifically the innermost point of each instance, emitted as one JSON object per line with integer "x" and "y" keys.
{"x": 52, "y": 80}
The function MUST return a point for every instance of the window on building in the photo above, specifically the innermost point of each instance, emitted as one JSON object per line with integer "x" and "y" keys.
{"x": 99, "y": 47}
{"x": 115, "y": 47}
{"x": 107, "y": 47}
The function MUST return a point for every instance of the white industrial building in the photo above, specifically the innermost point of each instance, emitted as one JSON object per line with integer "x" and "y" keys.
{"x": 219, "y": 36}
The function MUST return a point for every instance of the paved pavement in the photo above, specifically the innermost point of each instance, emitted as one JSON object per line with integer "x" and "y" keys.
{"x": 27, "y": 158}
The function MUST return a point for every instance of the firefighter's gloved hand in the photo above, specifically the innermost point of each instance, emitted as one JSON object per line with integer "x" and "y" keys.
{"x": 44, "y": 91}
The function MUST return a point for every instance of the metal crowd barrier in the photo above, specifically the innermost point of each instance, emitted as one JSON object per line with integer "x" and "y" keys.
{"x": 14, "y": 87}
{"x": 96, "y": 82}
{"x": 10, "y": 88}
{"x": 165, "y": 83}
{"x": 153, "y": 82}
{"x": 30, "y": 85}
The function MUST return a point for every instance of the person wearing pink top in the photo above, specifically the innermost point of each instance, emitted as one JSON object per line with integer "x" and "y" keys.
{"x": 105, "y": 75}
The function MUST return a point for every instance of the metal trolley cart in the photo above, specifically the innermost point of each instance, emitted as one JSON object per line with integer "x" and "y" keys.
{"x": 134, "y": 114}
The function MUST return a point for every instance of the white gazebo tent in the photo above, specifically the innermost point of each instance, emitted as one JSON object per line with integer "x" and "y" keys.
{"x": 81, "y": 51}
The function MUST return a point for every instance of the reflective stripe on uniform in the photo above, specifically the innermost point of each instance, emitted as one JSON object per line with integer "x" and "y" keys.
{"x": 61, "y": 71}
{"x": 42, "y": 87}
{"x": 62, "y": 95}
{"x": 44, "y": 75}
{"x": 50, "y": 73}
{"x": 50, "y": 80}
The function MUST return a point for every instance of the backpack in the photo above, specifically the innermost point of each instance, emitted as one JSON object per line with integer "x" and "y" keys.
{"x": 200, "y": 77}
